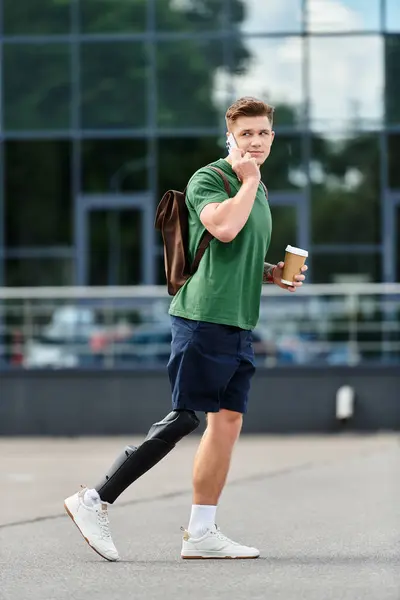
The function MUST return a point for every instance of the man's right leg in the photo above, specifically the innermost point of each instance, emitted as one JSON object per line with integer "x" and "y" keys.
{"x": 213, "y": 457}
{"x": 203, "y": 539}
{"x": 88, "y": 508}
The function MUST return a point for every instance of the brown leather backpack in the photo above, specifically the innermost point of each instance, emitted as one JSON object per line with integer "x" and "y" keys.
{"x": 172, "y": 220}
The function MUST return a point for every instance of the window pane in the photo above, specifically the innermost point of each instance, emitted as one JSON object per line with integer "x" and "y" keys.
{"x": 36, "y": 86}
{"x": 115, "y": 236}
{"x": 334, "y": 268}
{"x": 187, "y": 15}
{"x": 30, "y": 18}
{"x": 351, "y": 97}
{"x": 113, "y": 16}
{"x": 346, "y": 190}
{"x": 273, "y": 73}
{"x": 187, "y": 73}
{"x": 392, "y": 15}
{"x": 115, "y": 247}
{"x": 34, "y": 272}
{"x": 114, "y": 83}
{"x": 283, "y": 232}
{"x": 179, "y": 158}
{"x": 38, "y": 201}
{"x": 114, "y": 165}
{"x": 283, "y": 170}
{"x": 394, "y": 153}
{"x": 261, "y": 16}
{"x": 392, "y": 72}
{"x": 347, "y": 15}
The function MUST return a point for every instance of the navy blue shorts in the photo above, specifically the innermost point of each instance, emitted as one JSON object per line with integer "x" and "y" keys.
{"x": 210, "y": 366}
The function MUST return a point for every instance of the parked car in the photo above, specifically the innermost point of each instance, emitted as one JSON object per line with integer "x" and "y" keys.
{"x": 63, "y": 342}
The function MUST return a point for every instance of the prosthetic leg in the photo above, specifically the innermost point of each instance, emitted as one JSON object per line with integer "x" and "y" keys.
{"x": 134, "y": 462}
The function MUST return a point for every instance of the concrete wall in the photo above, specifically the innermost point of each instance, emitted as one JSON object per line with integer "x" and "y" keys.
{"x": 283, "y": 400}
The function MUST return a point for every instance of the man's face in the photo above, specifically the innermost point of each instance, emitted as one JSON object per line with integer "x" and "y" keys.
{"x": 254, "y": 135}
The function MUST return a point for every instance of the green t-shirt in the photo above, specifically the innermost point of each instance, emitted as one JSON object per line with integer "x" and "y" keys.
{"x": 226, "y": 288}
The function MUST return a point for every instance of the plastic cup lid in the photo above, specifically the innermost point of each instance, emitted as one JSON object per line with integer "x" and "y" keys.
{"x": 295, "y": 250}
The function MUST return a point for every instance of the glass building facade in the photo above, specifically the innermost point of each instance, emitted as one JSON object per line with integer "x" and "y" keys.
{"x": 106, "y": 104}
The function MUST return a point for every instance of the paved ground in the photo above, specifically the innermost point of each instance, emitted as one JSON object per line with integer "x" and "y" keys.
{"x": 324, "y": 511}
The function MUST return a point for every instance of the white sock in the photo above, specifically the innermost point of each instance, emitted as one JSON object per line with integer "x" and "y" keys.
{"x": 202, "y": 518}
{"x": 91, "y": 498}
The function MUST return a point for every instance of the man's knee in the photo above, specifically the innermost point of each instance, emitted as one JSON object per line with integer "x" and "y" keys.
{"x": 176, "y": 425}
{"x": 228, "y": 422}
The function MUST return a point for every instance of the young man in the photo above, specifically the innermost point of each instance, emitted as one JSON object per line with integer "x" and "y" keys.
{"x": 212, "y": 359}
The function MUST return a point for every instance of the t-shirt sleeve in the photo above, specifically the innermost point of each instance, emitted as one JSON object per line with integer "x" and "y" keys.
{"x": 204, "y": 188}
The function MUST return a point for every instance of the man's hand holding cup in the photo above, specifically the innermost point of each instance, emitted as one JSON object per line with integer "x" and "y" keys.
{"x": 289, "y": 274}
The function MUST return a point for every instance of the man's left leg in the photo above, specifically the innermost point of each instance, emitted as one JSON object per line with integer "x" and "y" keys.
{"x": 88, "y": 508}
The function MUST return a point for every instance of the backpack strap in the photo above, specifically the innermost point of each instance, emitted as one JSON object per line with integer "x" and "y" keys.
{"x": 224, "y": 179}
{"x": 204, "y": 242}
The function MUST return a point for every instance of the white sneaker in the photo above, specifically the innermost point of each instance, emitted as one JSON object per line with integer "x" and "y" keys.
{"x": 93, "y": 524}
{"x": 214, "y": 544}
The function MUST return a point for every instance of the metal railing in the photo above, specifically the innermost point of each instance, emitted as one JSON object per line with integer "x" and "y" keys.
{"x": 129, "y": 327}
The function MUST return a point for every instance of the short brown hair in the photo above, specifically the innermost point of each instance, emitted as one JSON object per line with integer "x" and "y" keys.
{"x": 249, "y": 107}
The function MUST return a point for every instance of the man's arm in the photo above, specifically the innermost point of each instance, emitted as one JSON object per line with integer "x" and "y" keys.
{"x": 225, "y": 220}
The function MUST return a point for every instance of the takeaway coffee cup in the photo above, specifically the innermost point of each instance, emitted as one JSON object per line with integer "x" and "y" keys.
{"x": 294, "y": 260}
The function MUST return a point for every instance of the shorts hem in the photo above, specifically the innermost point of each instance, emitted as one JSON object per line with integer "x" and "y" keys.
{"x": 208, "y": 408}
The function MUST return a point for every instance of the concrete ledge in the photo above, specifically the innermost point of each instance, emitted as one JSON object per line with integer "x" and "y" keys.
{"x": 283, "y": 400}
